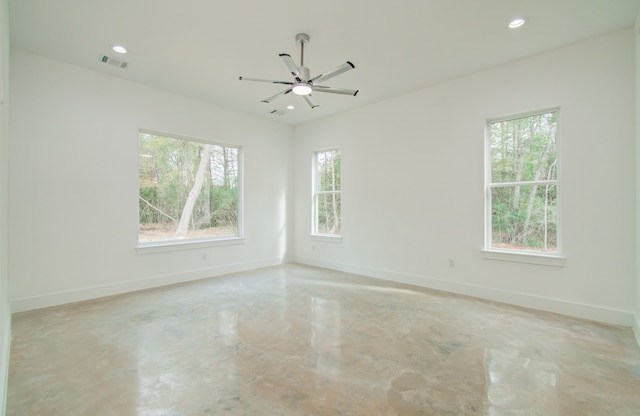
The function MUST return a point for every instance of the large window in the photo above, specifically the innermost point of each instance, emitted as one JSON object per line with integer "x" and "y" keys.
{"x": 188, "y": 189}
{"x": 522, "y": 183}
{"x": 326, "y": 196}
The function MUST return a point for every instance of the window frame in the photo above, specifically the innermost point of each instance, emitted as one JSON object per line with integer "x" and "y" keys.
{"x": 196, "y": 243}
{"x": 315, "y": 193}
{"x": 521, "y": 255}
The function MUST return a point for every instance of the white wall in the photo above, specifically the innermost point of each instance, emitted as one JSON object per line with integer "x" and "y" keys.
{"x": 73, "y": 208}
{"x": 412, "y": 183}
{"x": 5, "y": 314}
{"x": 636, "y": 326}
{"x": 74, "y": 184}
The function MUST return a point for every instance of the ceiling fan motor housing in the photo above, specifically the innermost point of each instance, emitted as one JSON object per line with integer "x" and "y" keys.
{"x": 303, "y": 73}
{"x": 302, "y": 38}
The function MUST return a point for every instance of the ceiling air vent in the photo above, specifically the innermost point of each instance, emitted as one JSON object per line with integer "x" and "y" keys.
{"x": 277, "y": 112}
{"x": 112, "y": 61}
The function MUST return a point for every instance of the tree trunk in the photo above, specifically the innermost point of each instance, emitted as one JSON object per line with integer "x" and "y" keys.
{"x": 187, "y": 211}
{"x": 546, "y": 207}
{"x": 207, "y": 192}
{"x": 534, "y": 188}
{"x": 334, "y": 205}
{"x": 225, "y": 154}
{"x": 518, "y": 140}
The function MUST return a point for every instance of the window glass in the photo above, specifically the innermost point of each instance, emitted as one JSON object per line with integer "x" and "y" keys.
{"x": 327, "y": 195}
{"x": 523, "y": 183}
{"x": 328, "y": 170}
{"x": 188, "y": 189}
{"x": 521, "y": 147}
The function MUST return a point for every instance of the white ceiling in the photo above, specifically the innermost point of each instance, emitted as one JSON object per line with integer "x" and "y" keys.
{"x": 198, "y": 48}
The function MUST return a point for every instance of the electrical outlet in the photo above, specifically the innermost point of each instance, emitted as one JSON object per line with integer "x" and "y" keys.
{"x": 452, "y": 262}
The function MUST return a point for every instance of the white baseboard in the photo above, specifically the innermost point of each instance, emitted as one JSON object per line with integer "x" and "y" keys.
{"x": 77, "y": 295}
{"x": 591, "y": 312}
{"x": 4, "y": 361}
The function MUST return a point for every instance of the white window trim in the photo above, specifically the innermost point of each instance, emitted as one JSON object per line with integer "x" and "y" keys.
{"x": 196, "y": 243}
{"x": 177, "y": 245}
{"x": 314, "y": 196}
{"x": 327, "y": 238}
{"x": 522, "y": 256}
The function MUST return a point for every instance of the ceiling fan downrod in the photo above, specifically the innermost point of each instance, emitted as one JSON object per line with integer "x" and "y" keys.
{"x": 302, "y": 38}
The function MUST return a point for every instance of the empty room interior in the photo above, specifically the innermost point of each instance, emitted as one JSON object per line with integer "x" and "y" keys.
{"x": 175, "y": 239}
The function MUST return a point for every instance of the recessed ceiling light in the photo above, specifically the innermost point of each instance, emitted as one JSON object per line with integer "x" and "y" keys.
{"x": 290, "y": 107}
{"x": 516, "y": 23}
{"x": 119, "y": 49}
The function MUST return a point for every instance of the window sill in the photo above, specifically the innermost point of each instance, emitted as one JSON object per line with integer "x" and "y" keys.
{"x": 327, "y": 238}
{"x": 177, "y": 245}
{"x": 530, "y": 258}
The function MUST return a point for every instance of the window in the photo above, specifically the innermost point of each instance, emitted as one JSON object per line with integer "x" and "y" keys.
{"x": 188, "y": 189}
{"x": 522, "y": 184}
{"x": 326, "y": 196}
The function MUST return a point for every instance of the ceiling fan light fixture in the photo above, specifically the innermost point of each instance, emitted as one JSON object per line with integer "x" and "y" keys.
{"x": 301, "y": 88}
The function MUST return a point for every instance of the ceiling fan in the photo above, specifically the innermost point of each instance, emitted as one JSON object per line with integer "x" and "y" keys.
{"x": 303, "y": 84}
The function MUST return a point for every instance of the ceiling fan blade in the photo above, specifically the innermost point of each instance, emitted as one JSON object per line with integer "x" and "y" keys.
{"x": 310, "y": 101}
{"x": 266, "y": 80}
{"x": 286, "y": 58}
{"x": 283, "y": 92}
{"x": 343, "y": 91}
{"x": 334, "y": 72}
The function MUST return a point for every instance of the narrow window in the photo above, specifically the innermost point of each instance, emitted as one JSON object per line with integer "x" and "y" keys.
{"x": 522, "y": 183}
{"x": 188, "y": 189}
{"x": 326, "y": 195}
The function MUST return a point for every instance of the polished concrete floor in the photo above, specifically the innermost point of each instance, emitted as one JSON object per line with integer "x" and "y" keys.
{"x": 295, "y": 340}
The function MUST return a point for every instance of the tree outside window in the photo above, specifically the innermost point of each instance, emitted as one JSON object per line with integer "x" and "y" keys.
{"x": 522, "y": 183}
{"x": 188, "y": 189}
{"x": 326, "y": 196}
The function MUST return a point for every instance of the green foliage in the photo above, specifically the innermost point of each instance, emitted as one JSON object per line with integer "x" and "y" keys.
{"x": 147, "y": 214}
{"x": 328, "y": 171}
{"x": 223, "y": 206}
{"x": 329, "y": 213}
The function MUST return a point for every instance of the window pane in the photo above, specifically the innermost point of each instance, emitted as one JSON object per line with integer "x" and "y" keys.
{"x": 188, "y": 189}
{"x": 524, "y": 149}
{"x": 328, "y": 170}
{"x": 524, "y": 217}
{"x": 328, "y": 213}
